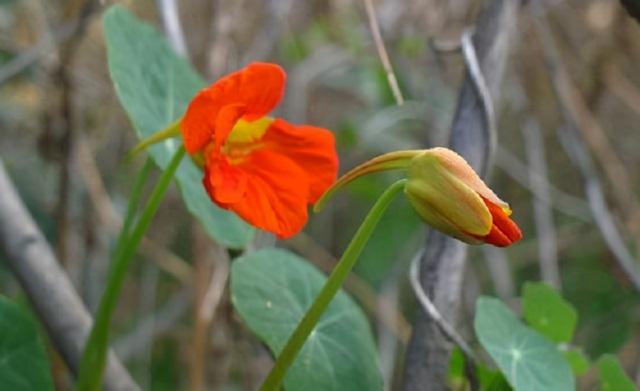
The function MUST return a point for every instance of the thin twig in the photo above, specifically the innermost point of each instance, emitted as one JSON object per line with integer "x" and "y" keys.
{"x": 212, "y": 297}
{"x": 198, "y": 341}
{"x": 60, "y": 121}
{"x": 543, "y": 215}
{"x": 382, "y": 52}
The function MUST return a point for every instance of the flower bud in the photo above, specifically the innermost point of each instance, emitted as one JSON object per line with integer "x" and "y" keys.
{"x": 448, "y": 194}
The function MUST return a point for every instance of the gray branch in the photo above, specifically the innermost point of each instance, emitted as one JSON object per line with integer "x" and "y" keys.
{"x": 56, "y": 303}
{"x": 442, "y": 266}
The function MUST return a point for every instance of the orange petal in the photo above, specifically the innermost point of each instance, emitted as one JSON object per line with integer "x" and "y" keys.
{"x": 311, "y": 148}
{"x": 277, "y": 193}
{"x": 504, "y": 231}
{"x": 198, "y": 123}
{"x": 225, "y": 183}
{"x": 249, "y": 93}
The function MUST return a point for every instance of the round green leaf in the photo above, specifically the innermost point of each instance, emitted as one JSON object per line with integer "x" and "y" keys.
{"x": 612, "y": 376}
{"x": 155, "y": 87}
{"x": 529, "y": 361}
{"x": 271, "y": 289}
{"x": 23, "y": 360}
{"x": 548, "y": 313}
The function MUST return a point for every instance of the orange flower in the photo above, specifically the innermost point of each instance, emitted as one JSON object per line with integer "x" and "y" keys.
{"x": 447, "y": 194}
{"x": 264, "y": 169}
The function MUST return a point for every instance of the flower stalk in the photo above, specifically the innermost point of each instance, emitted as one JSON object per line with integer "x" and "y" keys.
{"x": 170, "y": 131}
{"x": 94, "y": 357}
{"x": 330, "y": 288}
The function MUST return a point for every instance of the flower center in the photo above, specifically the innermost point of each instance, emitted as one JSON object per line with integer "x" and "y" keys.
{"x": 245, "y": 138}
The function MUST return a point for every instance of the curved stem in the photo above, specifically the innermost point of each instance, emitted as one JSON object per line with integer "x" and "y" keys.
{"x": 172, "y": 130}
{"x": 330, "y": 288}
{"x": 388, "y": 161}
{"x": 95, "y": 353}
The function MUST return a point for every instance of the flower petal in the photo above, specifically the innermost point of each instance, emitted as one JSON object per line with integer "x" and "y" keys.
{"x": 249, "y": 93}
{"x": 311, "y": 148}
{"x": 198, "y": 123}
{"x": 504, "y": 231}
{"x": 225, "y": 183}
{"x": 277, "y": 193}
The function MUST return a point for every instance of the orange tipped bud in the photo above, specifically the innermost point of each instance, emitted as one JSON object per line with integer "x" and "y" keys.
{"x": 449, "y": 195}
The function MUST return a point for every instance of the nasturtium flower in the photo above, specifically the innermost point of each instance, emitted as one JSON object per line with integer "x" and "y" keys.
{"x": 446, "y": 193}
{"x": 264, "y": 169}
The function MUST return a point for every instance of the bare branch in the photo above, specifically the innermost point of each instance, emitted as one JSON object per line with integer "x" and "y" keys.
{"x": 56, "y": 302}
{"x": 442, "y": 266}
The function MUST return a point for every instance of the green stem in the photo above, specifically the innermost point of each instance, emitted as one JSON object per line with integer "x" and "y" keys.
{"x": 170, "y": 131}
{"x": 389, "y": 161}
{"x": 95, "y": 354}
{"x": 330, "y": 288}
{"x": 134, "y": 199}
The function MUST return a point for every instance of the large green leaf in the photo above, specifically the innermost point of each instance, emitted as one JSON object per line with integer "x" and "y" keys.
{"x": 548, "y": 313}
{"x": 612, "y": 376}
{"x": 155, "y": 86}
{"x": 271, "y": 289}
{"x": 23, "y": 360}
{"x": 529, "y": 361}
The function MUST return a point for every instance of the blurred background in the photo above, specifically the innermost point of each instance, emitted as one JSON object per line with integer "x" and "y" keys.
{"x": 63, "y": 136}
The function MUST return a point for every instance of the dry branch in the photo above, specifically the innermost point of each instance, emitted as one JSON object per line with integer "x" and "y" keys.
{"x": 442, "y": 265}
{"x": 56, "y": 303}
